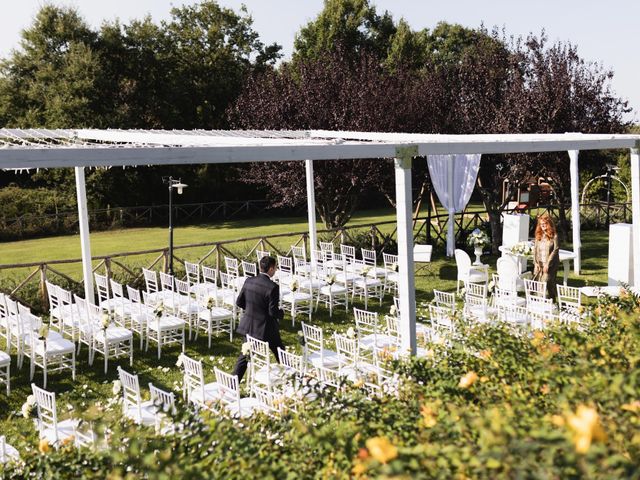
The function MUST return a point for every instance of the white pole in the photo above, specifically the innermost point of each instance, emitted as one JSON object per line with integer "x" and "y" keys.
{"x": 635, "y": 206}
{"x": 575, "y": 209}
{"x": 311, "y": 211}
{"x": 406, "y": 280}
{"x": 451, "y": 234}
{"x": 85, "y": 245}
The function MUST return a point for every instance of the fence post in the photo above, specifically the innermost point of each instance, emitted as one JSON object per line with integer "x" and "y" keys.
{"x": 429, "y": 223}
{"x": 43, "y": 286}
{"x": 218, "y": 257}
{"x": 107, "y": 267}
{"x": 165, "y": 260}
{"x": 304, "y": 243}
{"x": 372, "y": 232}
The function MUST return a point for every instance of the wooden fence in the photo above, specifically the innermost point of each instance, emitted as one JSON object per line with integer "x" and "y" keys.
{"x": 430, "y": 230}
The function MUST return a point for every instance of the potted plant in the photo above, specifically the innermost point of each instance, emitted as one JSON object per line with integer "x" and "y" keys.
{"x": 478, "y": 240}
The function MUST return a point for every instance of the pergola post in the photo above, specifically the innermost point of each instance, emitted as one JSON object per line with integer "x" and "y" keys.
{"x": 85, "y": 244}
{"x": 635, "y": 210}
{"x": 406, "y": 280}
{"x": 575, "y": 209}
{"x": 311, "y": 211}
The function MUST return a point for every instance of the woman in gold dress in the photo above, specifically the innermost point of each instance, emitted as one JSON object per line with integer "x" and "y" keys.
{"x": 545, "y": 254}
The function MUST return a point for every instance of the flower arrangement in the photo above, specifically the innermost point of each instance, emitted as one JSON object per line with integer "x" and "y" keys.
{"x": 211, "y": 302}
{"x": 293, "y": 285}
{"x": 365, "y": 270}
{"x": 478, "y": 238}
{"x": 394, "y": 267}
{"x": 351, "y": 333}
{"x": 393, "y": 311}
{"x": 106, "y": 321}
{"x": 491, "y": 286}
{"x": 521, "y": 248}
{"x": 246, "y": 348}
{"x": 301, "y": 338}
{"x": 117, "y": 387}
{"x": 159, "y": 310}
{"x": 43, "y": 331}
{"x": 29, "y": 407}
{"x": 180, "y": 361}
{"x": 330, "y": 279}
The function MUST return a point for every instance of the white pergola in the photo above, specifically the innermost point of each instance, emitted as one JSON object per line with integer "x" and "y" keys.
{"x": 80, "y": 148}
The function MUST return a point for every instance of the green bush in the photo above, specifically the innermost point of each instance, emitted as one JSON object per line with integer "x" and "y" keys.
{"x": 558, "y": 403}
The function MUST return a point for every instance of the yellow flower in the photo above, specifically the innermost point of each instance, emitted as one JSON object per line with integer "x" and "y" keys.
{"x": 429, "y": 418}
{"x": 468, "y": 379}
{"x": 358, "y": 469}
{"x": 558, "y": 420}
{"x": 43, "y": 446}
{"x": 358, "y": 383}
{"x": 545, "y": 389}
{"x": 632, "y": 407}
{"x": 381, "y": 449}
{"x": 585, "y": 427}
{"x": 485, "y": 354}
{"x": 67, "y": 441}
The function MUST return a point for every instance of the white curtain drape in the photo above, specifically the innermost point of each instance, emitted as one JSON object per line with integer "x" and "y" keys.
{"x": 453, "y": 177}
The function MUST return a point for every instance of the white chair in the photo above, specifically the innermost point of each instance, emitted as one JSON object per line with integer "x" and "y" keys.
{"x": 229, "y": 396}
{"x": 260, "y": 254}
{"x": 152, "y": 286}
{"x": 391, "y": 267}
{"x": 370, "y": 259}
{"x": 261, "y": 370}
{"x": 328, "y": 377}
{"x": 297, "y": 301}
{"x": 165, "y": 329}
{"x": 55, "y": 307}
{"x": 442, "y": 325}
{"x": 249, "y": 269}
{"x": 192, "y": 274}
{"x": 5, "y": 370}
{"x": 516, "y": 316}
{"x": 49, "y": 428}
{"x": 213, "y": 320}
{"x": 121, "y": 305}
{"x": 368, "y": 329}
{"x": 142, "y": 413}
{"x": 314, "y": 350}
{"x": 171, "y": 299}
{"x": 164, "y": 403}
{"x": 111, "y": 342}
{"x": 194, "y": 389}
{"x": 367, "y": 285}
{"x": 5, "y": 324}
{"x": 468, "y": 273}
{"x": 228, "y": 292}
{"x": 351, "y": 365}
{"x": 507, "y": 298}
{"x": 140, "y": 313}
{"x": 7, "y": 452}
{"x": 210, "y": 282}
{"x": 71, "y": 314}
{"x": 52, "y": 354}
{"x": 188, "y": 308}
{"x": 269, "y": 402}
{"x": 332, "y": 293}
{"x": 540, "y": 311}
{"x": 102, "y": 289}
{"x": 569, "y": 299}
{"x": 534, "y": 289}
{"x": 509, "y": 276}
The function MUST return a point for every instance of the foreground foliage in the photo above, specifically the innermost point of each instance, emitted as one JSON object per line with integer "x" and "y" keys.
{"x": 563, "y": 403}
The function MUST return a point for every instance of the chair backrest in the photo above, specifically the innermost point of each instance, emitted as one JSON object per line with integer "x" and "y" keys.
{"x": 441, "y": 317}
{"x": 232, "y": 266}
{"x": 476, "y": 307}
{"x": 163, "y": 401}
{"x": 348, "y": 251}
{"x": 270, "y": 401}
{"x": 65, "y": 300}
{"x": 131, "y": 399}
{"x": 393, "y": 328}
{"x": 504, "y": 298}
{"x": 328, "y": 376}
{"x": 540, "y": 306}
{"x": 533, "y": 288}
{"x": 514, "y": 315}
{"x": 444, "y": 299}
{"x": 389, "y": 260}
{"x": 313, "y": 339}
{"x": 193, "y": 272}
{"x": 182, "y": 288}
{"x": 228, "y": 281}
{"x": 298, "y": 252}
{"x": 366, "y": 322}
{"x": 569, "y": 298}
{"x": 369, "y": 257}
{"x": 47, "y": 411}
{"x": 228, "y": 388}
{"x": 327, "y": 246}
{"x": 133, "y": 294}
{"x": 94, "y": 317}
{"x": 463, "y": 262}
{"x": 478, "y": 290}
{"x": 508, "y": 274}
{"x": 249, "y": 269}
{"x": 292, "y": 362}
{"x": 3, "y": 306}
{"x": 259, "y": 353}
{"x": 167, "y": 282}
{"x": 150, "y": 280}
{"x": 260, "y": 254}
{"x": 81, "y": 305}
{"x": 193, "y": 381}
{"x": 52, "y": 295}
{"x": 210, "y": 275}
{"x": 117, "y": 291}
{"x": 285, "y": 264}
{"x": 102, "y": 286}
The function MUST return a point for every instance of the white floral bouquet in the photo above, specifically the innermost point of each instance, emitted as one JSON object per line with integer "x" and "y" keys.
{"x": 394, "y": 267}
{"x": 211, "y": 302}
{"x": 521, "y": 248}
{"x": 478, "y": 238}
{"x": 159, "y": 310}
{"x": 116, "y": 388}
{"x": 29, "y": 407}
{"x": 106, "y": 321}
{"x": 246, "y": 348}
{"x": 330, "y": 279}
{"x": 43, "y": 331}
{"x": 365, "y": 270}
{"x": 393, "y": 311}
{"x": 351, "y": 333}
{"x": 293, "y": 285}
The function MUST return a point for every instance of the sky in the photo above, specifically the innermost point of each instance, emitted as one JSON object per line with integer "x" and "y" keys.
{"x": 604, "y": 32}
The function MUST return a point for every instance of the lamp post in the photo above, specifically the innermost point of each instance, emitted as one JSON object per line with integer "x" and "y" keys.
{"x": 179, "y": 186}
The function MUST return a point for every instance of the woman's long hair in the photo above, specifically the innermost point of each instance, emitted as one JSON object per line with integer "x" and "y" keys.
{"x": 551, "y": 230}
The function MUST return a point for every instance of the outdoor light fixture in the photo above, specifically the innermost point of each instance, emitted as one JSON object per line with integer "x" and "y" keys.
{"x": 179, "y": 186}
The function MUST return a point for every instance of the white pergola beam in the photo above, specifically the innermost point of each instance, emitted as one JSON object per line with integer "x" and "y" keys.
{"x": 406, "y": 269}
{"x": 85, "y": 244}
{"x": 575, "y": 209}
{"x": 311, "y": 211}
{"x": 635, "y": 206}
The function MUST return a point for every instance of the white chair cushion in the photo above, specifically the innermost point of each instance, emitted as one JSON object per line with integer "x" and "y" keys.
{"x": 11, "y": 454}
{"x": 329, "y": 359}
{"x": 333, "y": 289}
{"x": 296, "y": 296}
{"x": 274, "y": 376}
{"x": 477, "y": 277}
{"x": 216, "y": 313}
{"x": 167, "y": 322}
{"x": 5, "y": 359}
{"x": 55, "y": 346}
{"x": 65, "y": 430}
{"x": 113, "y": 334}
{"x": 146, "y": 415}
{"x": 370, "y": 282}
{"x": 248, "y": 406}
{"x": 381, "y": 341}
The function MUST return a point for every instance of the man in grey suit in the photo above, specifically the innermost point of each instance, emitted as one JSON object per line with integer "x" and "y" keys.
{"x": 260, "y": 300}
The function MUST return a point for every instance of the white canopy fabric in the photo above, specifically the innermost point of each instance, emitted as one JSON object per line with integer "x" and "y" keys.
{"x": 453, "y": 177}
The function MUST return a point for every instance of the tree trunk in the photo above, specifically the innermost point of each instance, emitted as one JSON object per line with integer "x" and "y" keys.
{"x": 563, "y": 223}
{"x": 496, "y": 229}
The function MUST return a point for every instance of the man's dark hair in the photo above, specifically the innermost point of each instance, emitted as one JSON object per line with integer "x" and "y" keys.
{"x": 266, "y": 263}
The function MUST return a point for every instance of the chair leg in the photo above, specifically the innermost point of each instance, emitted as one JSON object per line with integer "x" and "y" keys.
{"x": 73, "y": 365}
{"x": 131, "y": 351}
{"x": 44, "y": 370}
